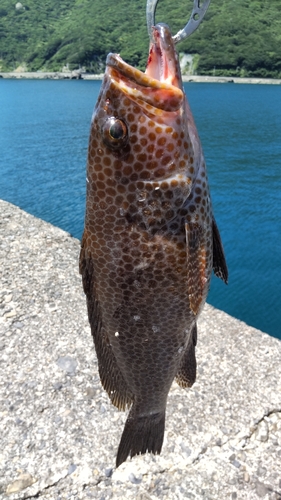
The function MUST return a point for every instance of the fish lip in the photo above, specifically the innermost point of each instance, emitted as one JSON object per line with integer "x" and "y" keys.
{"x": 163, "y": 61}
{"x": 135, "y": 75}
{"x": 142, "y": 87}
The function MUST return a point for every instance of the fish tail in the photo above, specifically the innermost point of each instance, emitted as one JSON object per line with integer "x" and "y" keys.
{"x": 141, "y": 434}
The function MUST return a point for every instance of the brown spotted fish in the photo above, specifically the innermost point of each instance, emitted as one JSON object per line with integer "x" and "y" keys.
{"x": 150, "y": 240}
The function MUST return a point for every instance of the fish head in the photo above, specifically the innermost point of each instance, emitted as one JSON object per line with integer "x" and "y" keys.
{"x": 143, "y": 150}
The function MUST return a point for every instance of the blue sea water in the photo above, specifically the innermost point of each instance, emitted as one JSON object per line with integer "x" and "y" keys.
{"x": 44, "y": 128}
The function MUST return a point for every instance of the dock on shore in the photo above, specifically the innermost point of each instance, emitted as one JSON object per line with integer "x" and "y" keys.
{"x": 78, "y": 75}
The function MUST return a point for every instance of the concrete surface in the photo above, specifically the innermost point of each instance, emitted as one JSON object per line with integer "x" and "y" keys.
{"x": 58, "y": 431}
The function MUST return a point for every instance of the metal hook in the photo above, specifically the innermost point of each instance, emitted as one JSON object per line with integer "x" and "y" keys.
{"x": 196, "y": 17}
{"x": 150, "y": 16}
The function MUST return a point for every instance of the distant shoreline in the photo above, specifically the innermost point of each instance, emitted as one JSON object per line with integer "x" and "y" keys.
{"x": 77, "y": 75}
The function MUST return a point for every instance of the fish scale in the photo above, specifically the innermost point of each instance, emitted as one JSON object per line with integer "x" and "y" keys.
{"x": 150, "y": 240}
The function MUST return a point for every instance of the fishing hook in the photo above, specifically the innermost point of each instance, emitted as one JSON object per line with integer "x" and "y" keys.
{"x": 195, "y": 19}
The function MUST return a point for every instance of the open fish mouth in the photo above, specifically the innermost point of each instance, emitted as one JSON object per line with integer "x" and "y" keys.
{"x": 160, "y": 85}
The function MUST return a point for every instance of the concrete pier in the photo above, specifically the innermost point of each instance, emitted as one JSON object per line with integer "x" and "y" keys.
{"x": 59, "y": 432}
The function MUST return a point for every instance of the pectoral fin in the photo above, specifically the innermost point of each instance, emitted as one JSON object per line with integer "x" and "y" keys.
{"x": 219, "y": 262}
{"x": 196, "y": 264}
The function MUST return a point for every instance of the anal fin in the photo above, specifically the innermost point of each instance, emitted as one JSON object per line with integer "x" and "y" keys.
{"x": 186, "y": 375}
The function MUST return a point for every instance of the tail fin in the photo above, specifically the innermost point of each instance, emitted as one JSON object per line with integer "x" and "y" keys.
{"x": 141, "y": 434}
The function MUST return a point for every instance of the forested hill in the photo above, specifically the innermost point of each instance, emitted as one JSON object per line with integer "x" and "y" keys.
{"x": 237, "y": 37}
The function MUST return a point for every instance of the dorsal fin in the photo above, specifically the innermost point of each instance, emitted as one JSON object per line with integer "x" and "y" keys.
{"x": 110, "y": 374}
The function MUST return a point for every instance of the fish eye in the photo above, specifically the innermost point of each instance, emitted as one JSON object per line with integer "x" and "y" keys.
{"x": 115, "y": 132}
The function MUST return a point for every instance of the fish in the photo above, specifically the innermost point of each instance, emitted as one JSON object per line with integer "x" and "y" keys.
{"x": 150, "y": 240}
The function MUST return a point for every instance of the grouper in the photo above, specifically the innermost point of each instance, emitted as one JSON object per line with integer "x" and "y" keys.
{"x": 150, "y": 240}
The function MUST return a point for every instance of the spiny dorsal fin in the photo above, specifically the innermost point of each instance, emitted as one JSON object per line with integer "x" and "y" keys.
{"x": 110, "y": 374}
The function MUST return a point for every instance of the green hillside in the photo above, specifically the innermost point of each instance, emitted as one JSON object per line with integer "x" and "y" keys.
{"x": 237, "y": 37}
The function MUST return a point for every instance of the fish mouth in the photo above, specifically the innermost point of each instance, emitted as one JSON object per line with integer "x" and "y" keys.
{"x": 160, "y": 86}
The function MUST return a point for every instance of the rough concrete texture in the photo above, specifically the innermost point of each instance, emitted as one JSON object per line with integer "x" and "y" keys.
{"x": 58, "y": 431}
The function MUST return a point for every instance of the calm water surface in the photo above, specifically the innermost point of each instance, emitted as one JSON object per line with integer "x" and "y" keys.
{"x": 43, "y": 139}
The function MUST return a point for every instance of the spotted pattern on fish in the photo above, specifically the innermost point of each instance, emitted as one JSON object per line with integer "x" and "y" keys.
{"x": 147, "y": 248}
